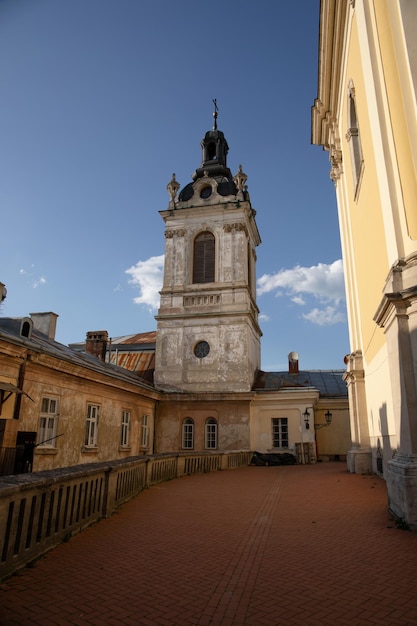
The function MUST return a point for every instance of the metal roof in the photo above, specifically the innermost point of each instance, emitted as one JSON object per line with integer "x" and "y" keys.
{"x": 143, "y": 363}
{"x": 139, "y": 338}
{"x": 329, "y": 383}
{"x": 39, "y": 342}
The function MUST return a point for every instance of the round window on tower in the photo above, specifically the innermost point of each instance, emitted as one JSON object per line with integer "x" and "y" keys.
{"x": 201, "y": 349}
{"x": 205, "y": 193}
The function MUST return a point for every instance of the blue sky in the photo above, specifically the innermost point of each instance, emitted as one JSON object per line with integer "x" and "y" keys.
{"x": 102, "y": 100}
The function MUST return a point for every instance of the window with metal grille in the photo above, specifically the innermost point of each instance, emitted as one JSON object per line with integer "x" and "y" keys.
{"x": 204, "y": 258}
{"x": 211, "y": 433}
{"x": 188, "y": 433}
{"x": 145, "y": 431}
{"x": 91, "y": 426}
{"x": 48, "y": 423}
{"x": 125, "y": 436}
{"x": 280, "y": 432}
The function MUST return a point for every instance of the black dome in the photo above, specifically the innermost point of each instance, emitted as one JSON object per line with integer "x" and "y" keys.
{"x": 225, "y": 187}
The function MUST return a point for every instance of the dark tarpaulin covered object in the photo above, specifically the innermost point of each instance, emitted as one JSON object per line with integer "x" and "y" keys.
{"x": 285, "y": 458}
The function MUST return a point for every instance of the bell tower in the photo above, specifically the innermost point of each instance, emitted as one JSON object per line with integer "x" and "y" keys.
{"x": 208, "y": 337}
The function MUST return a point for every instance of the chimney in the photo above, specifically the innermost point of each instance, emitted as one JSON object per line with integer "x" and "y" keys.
{"x": 45, "y": 323}
{"x": 293, "y": 363}
{"x": 96, "y": 343}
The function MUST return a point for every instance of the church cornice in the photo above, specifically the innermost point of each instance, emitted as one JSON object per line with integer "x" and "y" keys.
{"x": 333, "y": 19}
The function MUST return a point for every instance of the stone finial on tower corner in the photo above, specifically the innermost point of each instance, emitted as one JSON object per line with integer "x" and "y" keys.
{"x": 173, "y": 187}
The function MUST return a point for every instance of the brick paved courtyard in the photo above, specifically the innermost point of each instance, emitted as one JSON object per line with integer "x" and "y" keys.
{"x": 272, "y": 546}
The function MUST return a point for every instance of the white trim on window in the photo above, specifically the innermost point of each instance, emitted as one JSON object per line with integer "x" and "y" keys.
{"x": 48, "y": 423}
{"x": 188, "y": 434}
{"x": 279, "y": 432}
{"x": 125, "y": 434}
{"x": 91, "y": 427}
{"x": 145, "y": 432}
{"x": 211, "y": 434}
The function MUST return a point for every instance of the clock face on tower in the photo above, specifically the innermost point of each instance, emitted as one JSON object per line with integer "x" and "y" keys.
{"x": 201, "y": 349}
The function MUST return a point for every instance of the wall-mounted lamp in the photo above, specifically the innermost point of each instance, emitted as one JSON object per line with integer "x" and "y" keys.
{"x": 328, "y": 417}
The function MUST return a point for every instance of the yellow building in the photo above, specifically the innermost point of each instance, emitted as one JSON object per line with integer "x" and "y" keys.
{"x": 365, "y": 116}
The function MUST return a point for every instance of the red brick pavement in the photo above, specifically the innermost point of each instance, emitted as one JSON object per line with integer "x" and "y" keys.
{"x": 256, "y": 546}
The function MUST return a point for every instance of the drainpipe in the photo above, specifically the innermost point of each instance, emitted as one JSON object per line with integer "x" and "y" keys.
{"x": 302, "y": 438}
{"x": 20, "y": 381}
{"x": 155, "y": 413}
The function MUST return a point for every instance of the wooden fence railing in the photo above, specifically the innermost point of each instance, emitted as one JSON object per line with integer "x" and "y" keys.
{"x": 40, "y": 510}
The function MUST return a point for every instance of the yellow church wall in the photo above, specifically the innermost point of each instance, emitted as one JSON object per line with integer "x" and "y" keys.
{"x": 403, "y": 150}
{"x": 333, "y": 440}
{"x": 365, "y": 219}
{"x": 382, "y": 429}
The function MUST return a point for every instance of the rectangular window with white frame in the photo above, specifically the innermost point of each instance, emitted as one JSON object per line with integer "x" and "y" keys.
{"x": 145, "y": 432}
{"x": 280, "y": 432}
{"x": 91, "y": 426}
{"x": 125, "y": 436}
{"x": 48, "y": 423}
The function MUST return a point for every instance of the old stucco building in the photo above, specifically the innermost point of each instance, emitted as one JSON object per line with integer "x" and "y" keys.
{"x": 194, "y": 385}
{"x": 60, "y": 408}
{"x": 208, "y": 337}
{"x": 365, "y": 115}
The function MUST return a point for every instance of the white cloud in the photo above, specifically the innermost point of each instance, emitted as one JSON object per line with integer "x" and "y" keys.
{"x": 324, "y": 281}
{"x": 325, "y": 317}
{"x": 39, "y": 282}
{"x": 148, "y": 276}
{"x": 263, "y": 317}
{"x": 298, "y": 300}
{"x": 31, "y": 274}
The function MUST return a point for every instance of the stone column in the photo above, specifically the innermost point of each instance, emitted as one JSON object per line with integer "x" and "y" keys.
{"x": 359, "y": 457}
{"x": 397, "y": 315}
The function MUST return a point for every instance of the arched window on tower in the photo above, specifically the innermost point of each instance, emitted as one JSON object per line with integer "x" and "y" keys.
{"x": 211, "y": 433}
{"x": 354, "y": 139}
{"x": 211, "y": 154}
{"x": 188, "y": 433}
{"x": 204, "y": 258}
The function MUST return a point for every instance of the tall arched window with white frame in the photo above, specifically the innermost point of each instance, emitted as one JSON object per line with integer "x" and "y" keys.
{"x": 188, "y": 433}
{"x": 211, "y": 433}
{"x": 354, "y": 139}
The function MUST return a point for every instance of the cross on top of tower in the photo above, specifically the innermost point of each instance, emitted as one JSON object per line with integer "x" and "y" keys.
{"x": 215, "y": 113}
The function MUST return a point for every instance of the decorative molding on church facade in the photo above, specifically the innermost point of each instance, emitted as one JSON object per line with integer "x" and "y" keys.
{"x": 179, "y": 232}
{"x": 236, "y": 227}
{"x": 202, "y": 300}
